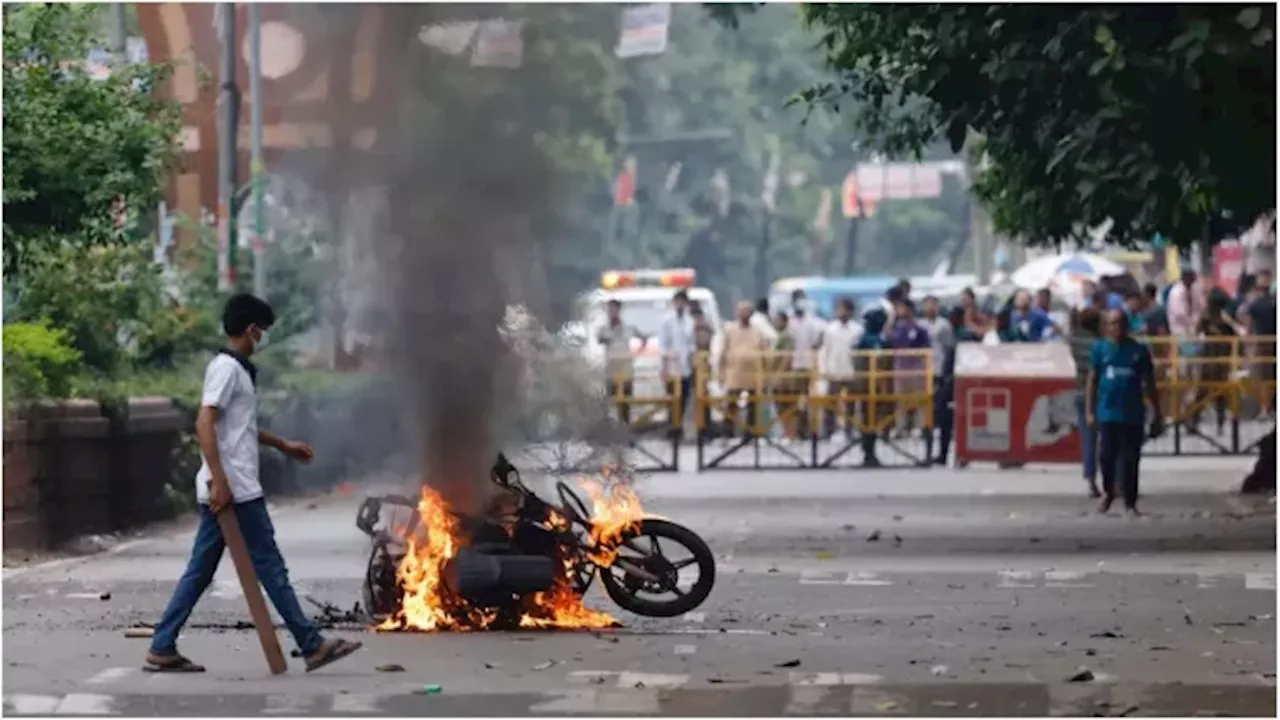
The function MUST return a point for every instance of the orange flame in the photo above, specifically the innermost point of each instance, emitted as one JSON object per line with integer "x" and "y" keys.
{"x": 428, "y": 604}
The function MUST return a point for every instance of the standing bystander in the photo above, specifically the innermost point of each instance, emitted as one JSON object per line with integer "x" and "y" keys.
{"x": 1121, "y": 372}
{"x": 675, "y": 337}
{"x": 742, "y": 368}
{"x": 615, "y": 337}
{"x": 1085, "y": 334}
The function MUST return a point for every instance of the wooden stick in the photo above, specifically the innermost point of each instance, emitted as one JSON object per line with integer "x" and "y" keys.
{"x": 252, "y": 590}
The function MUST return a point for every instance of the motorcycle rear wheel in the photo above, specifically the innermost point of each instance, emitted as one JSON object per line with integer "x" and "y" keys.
{"x": 627, "y": 598}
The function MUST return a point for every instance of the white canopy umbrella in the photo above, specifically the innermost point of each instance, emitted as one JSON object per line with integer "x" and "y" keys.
{"x": 1064, "y": 274}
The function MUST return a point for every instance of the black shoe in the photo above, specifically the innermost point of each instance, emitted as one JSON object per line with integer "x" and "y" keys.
{"x": 872, "y": 462}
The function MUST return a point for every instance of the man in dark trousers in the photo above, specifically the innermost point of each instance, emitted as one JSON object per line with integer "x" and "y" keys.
{"x": 1121, "y": 370}
{"x": 228, "y": 481}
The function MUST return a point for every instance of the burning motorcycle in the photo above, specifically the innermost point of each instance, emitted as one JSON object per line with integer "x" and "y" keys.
{"x": 530, "y": 566}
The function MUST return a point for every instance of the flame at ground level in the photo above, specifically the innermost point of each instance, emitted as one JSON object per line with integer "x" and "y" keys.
{"x": 428, "y": 604}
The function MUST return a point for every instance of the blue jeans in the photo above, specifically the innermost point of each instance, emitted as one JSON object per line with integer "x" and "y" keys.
{"x": 1088, "y": 441}
{"x": 260, "y": 537}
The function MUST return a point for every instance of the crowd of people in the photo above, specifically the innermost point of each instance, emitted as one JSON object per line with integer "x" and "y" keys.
{"x": 780, "y": 353}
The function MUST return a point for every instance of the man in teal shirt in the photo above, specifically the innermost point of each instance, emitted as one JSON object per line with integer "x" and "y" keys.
{"x": 1121, "y": 370}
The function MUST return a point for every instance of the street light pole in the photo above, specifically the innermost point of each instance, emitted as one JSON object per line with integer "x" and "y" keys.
{"x": 257, "y": 169}
{"x": 228, "y": 124}
{"x": 119, "y": 33}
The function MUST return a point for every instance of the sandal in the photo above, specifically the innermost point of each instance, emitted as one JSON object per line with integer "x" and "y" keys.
{"x": 331, "y": 651}
{"x": 170, "y": 663}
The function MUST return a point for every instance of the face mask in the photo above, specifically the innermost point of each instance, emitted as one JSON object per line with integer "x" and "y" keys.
{"x": 261, "y": 342}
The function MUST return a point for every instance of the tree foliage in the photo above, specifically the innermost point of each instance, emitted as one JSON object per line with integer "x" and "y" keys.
{"x": 75, "y": 146}
{"x": 1158, "y": 118}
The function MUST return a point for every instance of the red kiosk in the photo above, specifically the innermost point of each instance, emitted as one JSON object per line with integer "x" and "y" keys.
{"x": 1016, "y": 403}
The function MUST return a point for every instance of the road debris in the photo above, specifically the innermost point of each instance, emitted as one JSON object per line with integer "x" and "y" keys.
{"x": 874, "y": 536}
{"x": 939, "y": 670}
{"x": 390, "y": 668}
{"x": 105, "y": 595}
{"x": 1106, "y": 634}
{"x": 140, "y": 632}
{"x": 788, "y": 664}
{"x": 1082, "y": 675}
{"x": 429, "y": 690}
{"x": 492, "y": 666}
{"x": 546, "y": 665}
{"x": 886, "y": 705}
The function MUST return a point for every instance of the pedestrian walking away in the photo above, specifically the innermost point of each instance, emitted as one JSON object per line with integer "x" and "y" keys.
{"x": 1120, "y": 372}
{"x": 228, "y": 481}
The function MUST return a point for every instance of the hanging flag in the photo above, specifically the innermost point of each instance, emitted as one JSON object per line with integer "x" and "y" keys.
{"x": 853, "y": 203}
{"x": 822, "y": 218}
{"x": 644, "y": 30}
{"x": 769, "y": 193}
{"x": 451, "y": 38}
{"x": 723, "y": 193}
{"x": 624, "y": 186}
{"x": 499, "y": 44}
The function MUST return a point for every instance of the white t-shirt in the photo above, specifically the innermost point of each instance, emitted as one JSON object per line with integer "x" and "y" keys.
{"x": 839, "y": 341}
{"x": 228, "y": 387}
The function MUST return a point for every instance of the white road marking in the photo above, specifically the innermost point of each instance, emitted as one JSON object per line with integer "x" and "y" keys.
{"x": 629, "y": 679}
{"x": 867, "y": 579}
{"x": 84, "y": 596}
{"x": 579, "y": 677}
{"x": 686, "y": 649}
{"x": 695, "y": 617}
{"x": 831, "y": 678}
{"x": 1206, "y": 581}
{"x": 110, "y": 675}
{"x": 287, "y": 705}
{"x": 1016, "y": 579}
{"x": 819, "y": 577}
{"x": 355, "y": 704}
{"x": 23, "y": 704}
{"x": 600, "y": 702}
{"x": 804, "y": 699}
{"x": 1063, "y": 579}
{"x": 711, "y": 631}
{"x": 86, "y": 704}
{"x": 1259, "y": 581}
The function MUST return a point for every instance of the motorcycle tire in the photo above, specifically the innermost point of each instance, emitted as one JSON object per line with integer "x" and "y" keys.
{"x": 702, "y": 554}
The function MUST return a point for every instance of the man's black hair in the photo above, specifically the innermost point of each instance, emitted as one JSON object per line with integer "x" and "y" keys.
{"x": 846, "y": 302}
{"x": 243, "y": 310}
{"x": 896, "y": 294}
{"x": 1151, "y": 290}
{"x": 762, "y": 305}
{"x": 681, "y": 295}
{"x": 614, "y": 302}
{"x": 797, "y": 293}
{"x": 927, "y": 298}
{"x": 1133, "y": 295}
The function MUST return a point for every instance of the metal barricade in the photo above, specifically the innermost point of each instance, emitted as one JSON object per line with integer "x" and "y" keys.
{"x": 778, "y": 417}
{"x": 650, "y": 406}
{"x": 1218, "y": 394}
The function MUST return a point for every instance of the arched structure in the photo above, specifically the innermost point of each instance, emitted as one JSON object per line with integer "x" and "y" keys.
{"x": 325, "y": 72}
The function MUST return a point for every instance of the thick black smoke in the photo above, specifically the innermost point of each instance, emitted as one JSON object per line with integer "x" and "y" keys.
{"x": 468, "y": 199}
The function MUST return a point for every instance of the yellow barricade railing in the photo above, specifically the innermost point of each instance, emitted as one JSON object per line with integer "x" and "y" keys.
{"x": 1214, "y": 373}
{"x": 645, "y": 389}
{"x": 754, "y": 392}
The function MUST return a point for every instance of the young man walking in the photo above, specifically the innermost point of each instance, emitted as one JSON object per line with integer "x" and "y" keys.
{"x": 1121, "y": 371}
{"x": 228, "y": 481}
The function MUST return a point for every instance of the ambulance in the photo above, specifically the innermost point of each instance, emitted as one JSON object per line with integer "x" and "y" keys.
{"x": 646, "y": 301}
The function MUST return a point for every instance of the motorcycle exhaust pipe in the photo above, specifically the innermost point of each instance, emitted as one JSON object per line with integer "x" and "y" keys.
{"x": 476, "y": 576}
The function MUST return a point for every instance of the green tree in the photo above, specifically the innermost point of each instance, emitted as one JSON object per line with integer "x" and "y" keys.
{"x": 75, "y": 146}
{"x": 1159, "y": 118}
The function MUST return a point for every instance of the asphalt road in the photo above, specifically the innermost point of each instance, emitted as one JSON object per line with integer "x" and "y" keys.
{"x": 982, "y": 593}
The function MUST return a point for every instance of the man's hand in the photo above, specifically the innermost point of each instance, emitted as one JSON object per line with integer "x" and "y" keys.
{"x": 1091, "y": 421}
{"x": 219, "y": 495}
{"x": 297, "y": 450}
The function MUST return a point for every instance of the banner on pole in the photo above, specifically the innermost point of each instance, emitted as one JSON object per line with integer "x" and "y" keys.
{"x": 624, "y": 186}
{"x": 226, "y": 273}
{"x": 644, "y": 30}
{"x": 499, "y": 44}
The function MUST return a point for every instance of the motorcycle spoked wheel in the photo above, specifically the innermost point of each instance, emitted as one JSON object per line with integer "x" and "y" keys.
{"x": 381, "y": 587}
{"x": 626, "y": 590}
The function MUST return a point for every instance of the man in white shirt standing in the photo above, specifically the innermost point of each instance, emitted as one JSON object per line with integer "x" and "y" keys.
{"x": 615, "y": 337}
{"x": 227, "y": 428}
{"x": 807, "y": 331}
{"x": 836, "y": 360}
{"x": 675, "y": 339}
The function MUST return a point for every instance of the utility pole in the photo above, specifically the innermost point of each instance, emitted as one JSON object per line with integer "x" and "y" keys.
{"x": 979, "y": 224}
{"x": 228, "y": 124}
{"x": 119, "y": 33}
{"x": 257, "y": 169}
